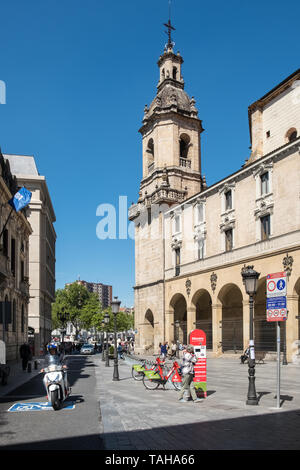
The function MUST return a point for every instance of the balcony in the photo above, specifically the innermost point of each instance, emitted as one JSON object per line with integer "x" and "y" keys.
{"x": 185, "y": 163}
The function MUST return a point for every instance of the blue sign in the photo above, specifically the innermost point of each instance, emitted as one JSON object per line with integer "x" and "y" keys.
{"x": 276, "y": 303}
{"x": 45, "y": 406}
{"x": 281, "y": 284}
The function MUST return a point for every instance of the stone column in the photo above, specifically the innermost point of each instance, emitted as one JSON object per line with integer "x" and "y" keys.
{"x": 191, "y": 320}
{"x": 292, "y": 329}
{"x": 216, "y": 329}
{"x": 169, "y": 325}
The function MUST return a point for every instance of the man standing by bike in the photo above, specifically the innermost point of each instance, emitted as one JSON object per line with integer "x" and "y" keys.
{"x": 188, "y": 362}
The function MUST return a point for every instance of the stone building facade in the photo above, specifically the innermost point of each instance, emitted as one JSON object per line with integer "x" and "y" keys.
{"x": 192, "y": 241}
{"x": 42, "y": 242}
{"x": 14, "y": 267}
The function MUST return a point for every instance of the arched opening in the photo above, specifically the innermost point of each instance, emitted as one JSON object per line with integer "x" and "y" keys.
{"x": 231, "y": 299}
{"x": 174, "y": 73}
{"x": 203, "y": 304}
{"x": 149, "y": 328}
{"x": 264, "y": 331}
{"x": 150, "y": 152}
{"x": 291, "y": 134}
{"x": 184, "y": 146}
{"x": 297, "y": 291}
{"x": 178, "y": 304}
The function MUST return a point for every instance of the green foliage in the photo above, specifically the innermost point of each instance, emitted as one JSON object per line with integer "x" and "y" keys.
{"x": 83, "y": 310}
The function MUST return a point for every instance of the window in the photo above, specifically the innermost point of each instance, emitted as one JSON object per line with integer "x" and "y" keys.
{"x": 184, "y": 145}
{"x": 264, "y": 183}
{"x": 5, "y": 242}
{"x": 22, "y": 271}
{"x": 228, "y": 200}
{"x": 268, "y": 133}
{"x": 177, "y": 223}
{"x": 265, "y": 227}
{"x": 200, "y": 212}
{"x": 174, "y": 72}
{"x": 200, "y": 246}
{"x": 228, "y": 240}
{"x": 177, "y": 261}
{"x": 149, "y": 215}
{"x": 22, "y": 320}
{"x": 14, "y": 317}
{"x": 291, "y": 135}
{"x": 13, "y": 257}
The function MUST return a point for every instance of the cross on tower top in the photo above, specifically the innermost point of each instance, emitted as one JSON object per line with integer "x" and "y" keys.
{"x": 170, "y": 27}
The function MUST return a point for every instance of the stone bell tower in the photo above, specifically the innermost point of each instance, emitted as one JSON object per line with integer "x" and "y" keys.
{"x": 171, "y": 133}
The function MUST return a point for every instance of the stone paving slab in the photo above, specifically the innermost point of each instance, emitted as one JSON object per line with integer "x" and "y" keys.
{"x": 138, "y": 419}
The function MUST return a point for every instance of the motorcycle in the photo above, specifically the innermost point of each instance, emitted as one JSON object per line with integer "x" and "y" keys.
{"x": 55, "y": 384}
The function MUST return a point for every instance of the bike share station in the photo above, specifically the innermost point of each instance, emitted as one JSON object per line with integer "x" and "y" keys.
{"x": 197, "y": 339}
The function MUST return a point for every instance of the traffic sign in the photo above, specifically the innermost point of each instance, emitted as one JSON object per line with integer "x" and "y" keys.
{"x": 276, "y": 302}
{"x": 276, "y": 284}
{"x": 277, "y": 314}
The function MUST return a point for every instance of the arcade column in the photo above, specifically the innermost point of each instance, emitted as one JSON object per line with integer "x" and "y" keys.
{"x": 217, "y": 329}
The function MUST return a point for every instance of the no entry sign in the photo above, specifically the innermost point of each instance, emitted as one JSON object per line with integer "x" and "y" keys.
{"x": 198, "y": 341}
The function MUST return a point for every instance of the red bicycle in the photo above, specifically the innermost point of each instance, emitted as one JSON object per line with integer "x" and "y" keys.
{"x": 138, "y": 370}
{"x": 152, "y": 379}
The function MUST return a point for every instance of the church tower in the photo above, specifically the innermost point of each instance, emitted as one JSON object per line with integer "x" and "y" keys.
{"x": 171, "y": 131}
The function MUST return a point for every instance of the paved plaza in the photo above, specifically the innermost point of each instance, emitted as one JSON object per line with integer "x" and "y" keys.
{"x": 134, "y": 418}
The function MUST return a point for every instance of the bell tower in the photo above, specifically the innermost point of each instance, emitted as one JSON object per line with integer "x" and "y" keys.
{"x": 171, "y": 137}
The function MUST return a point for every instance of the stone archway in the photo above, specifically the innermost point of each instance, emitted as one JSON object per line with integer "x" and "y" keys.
{"x": 231, "y": 299}
{"x": 179, "y": 306}
{"x": 203, "y": 305}
{"x": 264, "y": 331}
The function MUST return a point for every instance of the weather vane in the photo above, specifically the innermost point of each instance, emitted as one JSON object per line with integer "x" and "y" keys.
{"x": 170, "y": 27}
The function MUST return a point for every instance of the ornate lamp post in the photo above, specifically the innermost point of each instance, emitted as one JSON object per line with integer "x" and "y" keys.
{"x": 250, "y": 277}
{"x": 106, "y": 321}
{"x": 115, "y": 306}
{"x": 102, "y": 339}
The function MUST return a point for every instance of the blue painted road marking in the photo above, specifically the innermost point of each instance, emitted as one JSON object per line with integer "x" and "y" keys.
{"x": 45, "y": 406}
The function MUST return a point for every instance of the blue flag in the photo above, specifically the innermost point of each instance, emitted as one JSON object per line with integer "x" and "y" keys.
{"x": 21, "y": 199}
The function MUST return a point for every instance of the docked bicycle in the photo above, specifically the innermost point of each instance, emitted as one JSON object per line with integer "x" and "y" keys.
{"x": 137, "y": 370}
{"x": 153, "y": 378}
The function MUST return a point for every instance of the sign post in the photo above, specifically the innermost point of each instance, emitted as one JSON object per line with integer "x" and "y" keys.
{"x": 277, "y": 311}
{"x": 198, "y": 341}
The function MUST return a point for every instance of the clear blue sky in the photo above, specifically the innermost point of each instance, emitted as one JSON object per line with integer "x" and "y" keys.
{"x": 78, "y": 74}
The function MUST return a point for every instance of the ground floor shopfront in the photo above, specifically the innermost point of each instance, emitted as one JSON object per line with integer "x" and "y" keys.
{"x": 216, "y": 302}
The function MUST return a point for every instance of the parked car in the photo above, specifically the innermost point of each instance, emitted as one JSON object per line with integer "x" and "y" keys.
{"x": 87, "y": 349}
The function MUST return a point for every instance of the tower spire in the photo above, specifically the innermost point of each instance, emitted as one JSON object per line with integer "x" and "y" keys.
{"x": 170, "y": 28}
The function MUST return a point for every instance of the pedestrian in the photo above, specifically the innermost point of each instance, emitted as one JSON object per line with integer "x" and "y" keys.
{"x": 188, "y": 362}
{"x": 164, "y": 350}
{"x": 25, "y": 354}
{"x": 173, "y": 349}
{"x": 120, "y": 351}
{"x": 245, "y": 356}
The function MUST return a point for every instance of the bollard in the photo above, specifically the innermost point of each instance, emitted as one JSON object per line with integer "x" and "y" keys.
{"x": 29, "y": 367}
{"x": 35, "y": 364}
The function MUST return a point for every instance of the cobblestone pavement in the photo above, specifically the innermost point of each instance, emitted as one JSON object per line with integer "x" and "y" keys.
{"x": 134, "y": 418}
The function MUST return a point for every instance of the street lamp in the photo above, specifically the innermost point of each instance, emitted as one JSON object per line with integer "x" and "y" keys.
{"x": 115, "y": 306}
{"x": 106, "y": 321}
{"x": 62, "y": 316}
{"x": 177, "y": 324}
{"x": 250, "y": 277}
{"x": 102, "y": 340}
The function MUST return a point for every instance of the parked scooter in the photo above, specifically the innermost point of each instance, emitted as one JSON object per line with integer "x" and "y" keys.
{"x": 55, "y": 381}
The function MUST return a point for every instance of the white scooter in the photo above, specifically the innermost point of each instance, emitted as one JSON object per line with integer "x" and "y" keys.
{"x": 55, "y": 381}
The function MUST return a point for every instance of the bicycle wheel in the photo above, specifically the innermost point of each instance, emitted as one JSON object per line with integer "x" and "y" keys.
{"x": 177, "y": 386}
{"x": 136, "y": 374}
{"x": 150, "y": 384}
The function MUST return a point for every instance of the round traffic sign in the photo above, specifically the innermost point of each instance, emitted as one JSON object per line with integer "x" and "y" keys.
{"x": 271, "y": 286}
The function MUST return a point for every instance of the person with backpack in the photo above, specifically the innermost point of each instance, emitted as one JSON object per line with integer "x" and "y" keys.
{"x": 187, "y": 369}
